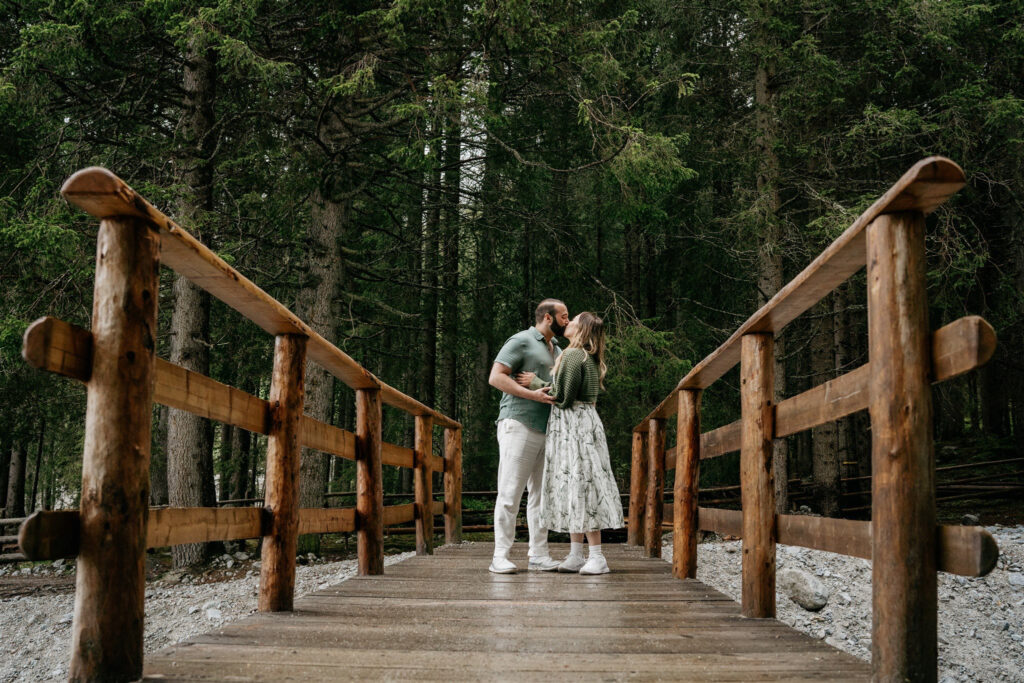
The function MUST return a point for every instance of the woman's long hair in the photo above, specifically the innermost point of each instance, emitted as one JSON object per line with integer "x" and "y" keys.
{"x": 589, "y": 337}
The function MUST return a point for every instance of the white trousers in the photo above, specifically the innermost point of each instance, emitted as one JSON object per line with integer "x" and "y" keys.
{"x": 520, "y": 464}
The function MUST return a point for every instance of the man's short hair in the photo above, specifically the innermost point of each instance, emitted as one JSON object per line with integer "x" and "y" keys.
{"x": 545, "y": 307}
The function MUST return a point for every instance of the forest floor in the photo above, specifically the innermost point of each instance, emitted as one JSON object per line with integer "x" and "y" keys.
{"x": 981, "y": 620}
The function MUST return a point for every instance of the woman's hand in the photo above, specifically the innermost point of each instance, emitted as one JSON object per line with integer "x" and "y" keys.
{"x": 524, "y": 378}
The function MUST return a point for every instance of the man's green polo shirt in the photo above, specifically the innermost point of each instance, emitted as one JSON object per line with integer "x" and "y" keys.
{"x": 527, "y": 351}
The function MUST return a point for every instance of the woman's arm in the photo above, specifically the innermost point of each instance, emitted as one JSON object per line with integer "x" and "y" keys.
{"x": 569, "y": 378}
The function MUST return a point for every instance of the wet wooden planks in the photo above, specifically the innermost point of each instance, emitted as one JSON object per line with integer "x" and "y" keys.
{"x": 445, "y": 617}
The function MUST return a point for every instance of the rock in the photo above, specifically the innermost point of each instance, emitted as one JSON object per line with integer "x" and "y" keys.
{"x": 58, "y": 563}
{"x": 804, "y": 589}
{"x": 970, "y": 520}
{"x": 241, "y": 557}
{"x": 1016, "y": 579}
{"x": 193, "y": 609}
{"x": 230, "y": 563}
{"x": 214, "y": 613}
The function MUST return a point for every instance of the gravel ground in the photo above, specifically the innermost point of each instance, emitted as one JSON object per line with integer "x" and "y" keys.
{"x": 35, "y": 630}
{"x": 981, "y": 620}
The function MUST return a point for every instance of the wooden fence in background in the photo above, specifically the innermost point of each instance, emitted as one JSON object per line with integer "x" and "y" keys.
{"x": 902, "y": 539}
{"x": 114, "y": 526}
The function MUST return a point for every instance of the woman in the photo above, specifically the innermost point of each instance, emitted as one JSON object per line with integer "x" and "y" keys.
{"x": 579, "y": 494}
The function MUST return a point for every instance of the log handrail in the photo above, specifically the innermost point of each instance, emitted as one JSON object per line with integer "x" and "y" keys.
{"x": 123, "y": 377}
{"x": 902, "y": 539}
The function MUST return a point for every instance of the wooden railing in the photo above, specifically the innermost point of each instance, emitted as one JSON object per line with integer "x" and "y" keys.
{"x": 902, "y": 539}
{"x": 110, "y": 532}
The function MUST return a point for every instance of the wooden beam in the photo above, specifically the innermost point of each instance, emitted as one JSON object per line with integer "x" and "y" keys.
{"x": 684, "y": 523}
{"x": 961, "y": 550}
{"x": 397, "y": 456}
{"x": 399, "y": 514}
{"x": 326, "y": 520}
{"x": 99, "y": 192}
{"x": 56, "y": 346}
{"x": 287, "y": 398}
{"x": 423, "y": 486}
{"x": 655, "y": 488}
{"x": 321, "y": 436}
{"x": 111, "y": 575}
{"x": 904, "y": 639}
{"x": 924, "y": 187}
{"x": 956, "y": 348}
{"x": 50, "y": 535}
{"x": 370, "y": 514}
{"x": 452, "y": 485}
{"x": 637, "y": 490}
{"x": 756, "y": 476}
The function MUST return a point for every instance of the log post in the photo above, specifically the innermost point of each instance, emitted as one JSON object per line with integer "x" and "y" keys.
{"x": 637, "y": 490}
{"x": 281, "y": 501}
{"x": 453, "y": 486}
{"x": 369, "y": 484}
{"x": 756, "y": 475}
{"x": 423, "y": 488}
{"x": 904, "y": 614}
{"x": 111, "y": 580}
{"x": 654, "y": 513}
{"x": 684, "y": 507}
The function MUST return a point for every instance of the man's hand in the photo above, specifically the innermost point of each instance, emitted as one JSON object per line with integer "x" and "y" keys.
{"x": 541, "y": 395}
{"x": 524, "y": 379}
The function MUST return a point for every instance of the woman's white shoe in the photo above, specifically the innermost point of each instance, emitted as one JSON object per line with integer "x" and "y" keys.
{"x": 596, "y": 564}
{"x": 571, "y": 564}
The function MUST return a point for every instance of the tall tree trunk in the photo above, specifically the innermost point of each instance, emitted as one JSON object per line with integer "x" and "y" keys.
{"x": 316, "y": 305}
{"x": 240, "y": 452}
{"x": 39, "y": 464}
{"x": 158, "y": 458}
{"x": 825, "y": 463}
{"x": 450, "y": 290}
{"x": 189, "y": 443}
{"x": 770, "y": 271}
{"x": 6, "y": 446}
{"x": 16, "y": 481}
{"x": 226, "y": 461}
{"x": 429, "y": 280}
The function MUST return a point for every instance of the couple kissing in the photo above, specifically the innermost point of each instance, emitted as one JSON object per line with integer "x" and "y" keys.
{"x": 552, "y": 442}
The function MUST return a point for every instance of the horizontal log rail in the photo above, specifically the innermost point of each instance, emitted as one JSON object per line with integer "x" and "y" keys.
{"x": 962, "y": 550}
{"x": 102, "y": 194}
{"x": 957, "y": 348}
{"x": 902, "y": 540}
{"x": 115, "y": 360}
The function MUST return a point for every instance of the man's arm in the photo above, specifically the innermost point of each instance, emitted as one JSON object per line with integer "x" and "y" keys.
{"x": 501, "y": 379}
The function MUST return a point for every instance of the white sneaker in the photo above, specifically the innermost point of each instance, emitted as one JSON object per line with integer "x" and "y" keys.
{"x": 596, "y": 564}
{"x": 571, "y": 564}
{"x": 502, "y": 565}
{"x": 542, "y": 564}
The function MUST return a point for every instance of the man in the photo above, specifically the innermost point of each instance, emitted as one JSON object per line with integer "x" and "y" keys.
{"x": 522, "y": 423}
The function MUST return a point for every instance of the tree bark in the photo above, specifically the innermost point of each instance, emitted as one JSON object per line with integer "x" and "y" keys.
{"x": 189, "y": 443}
{"x": 770, "y": 272}
{"x": 6, "y": 445}
{"x": 825, "y": 451}
{"x": 429, "y": 279}
{"x": 16, "y": 481}
{"x": 450, "y": 290}
{"x": 316, "y": 305}
{"x": 39, "y": 465}
{"x": 158, "y": 459}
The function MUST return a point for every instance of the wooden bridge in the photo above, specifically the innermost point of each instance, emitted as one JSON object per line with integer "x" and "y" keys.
{"x": 444, "y": 615}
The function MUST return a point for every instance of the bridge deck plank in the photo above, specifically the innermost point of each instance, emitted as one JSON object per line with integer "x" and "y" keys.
{"x": 445, "y": 617}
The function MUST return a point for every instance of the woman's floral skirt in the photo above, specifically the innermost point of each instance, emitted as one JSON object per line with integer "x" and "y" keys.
{"x": 579, "y": 489}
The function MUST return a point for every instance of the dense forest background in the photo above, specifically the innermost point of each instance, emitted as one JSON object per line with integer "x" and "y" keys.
{"x": 412, "y": 177}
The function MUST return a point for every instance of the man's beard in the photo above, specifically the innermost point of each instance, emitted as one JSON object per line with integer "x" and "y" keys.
{"x": 557, "y": 328}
